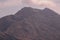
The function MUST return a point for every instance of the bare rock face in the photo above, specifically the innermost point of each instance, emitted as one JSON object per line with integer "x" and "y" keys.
{"x": 32, "y": 24}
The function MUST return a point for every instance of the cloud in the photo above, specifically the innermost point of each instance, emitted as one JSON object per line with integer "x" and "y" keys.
{"x": 37, "y": 3}
{"x": 43, "y": 3}
{"x": 9, "y": 3}
{"x": 40, "y": 3}
{"x": 32, "y": 3}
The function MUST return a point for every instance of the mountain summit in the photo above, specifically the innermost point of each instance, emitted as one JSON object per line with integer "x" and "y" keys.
{"x": 32, "y": 24}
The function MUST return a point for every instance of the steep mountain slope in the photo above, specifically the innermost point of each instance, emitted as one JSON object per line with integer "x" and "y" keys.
{"x": 32, "y": 24}
{"x": 5, "y": 22}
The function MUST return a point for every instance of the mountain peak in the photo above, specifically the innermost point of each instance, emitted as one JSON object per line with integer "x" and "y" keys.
{"x": 27, "y": 8}
{"x": 23, "y": 10}
{"x": 32, "y": 24}
{"x": 48, "y": 9}
{"x": 36, "y": 8}
{"x": 28, "y": 11}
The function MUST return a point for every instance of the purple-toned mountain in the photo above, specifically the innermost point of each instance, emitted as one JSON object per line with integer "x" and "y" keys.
{"x": 32, "y": 24}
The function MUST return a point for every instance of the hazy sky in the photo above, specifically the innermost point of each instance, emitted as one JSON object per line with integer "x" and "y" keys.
{"x": 8, "y": 7}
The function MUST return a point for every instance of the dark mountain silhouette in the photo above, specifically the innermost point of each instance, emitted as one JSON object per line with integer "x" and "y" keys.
{"x": 32, "y": 24}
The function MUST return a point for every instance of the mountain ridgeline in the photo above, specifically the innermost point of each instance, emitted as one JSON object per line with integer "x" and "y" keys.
{"x": 32, "y": 24}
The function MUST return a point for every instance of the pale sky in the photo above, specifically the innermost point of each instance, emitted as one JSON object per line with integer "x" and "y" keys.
{"x": 8, "y": 7}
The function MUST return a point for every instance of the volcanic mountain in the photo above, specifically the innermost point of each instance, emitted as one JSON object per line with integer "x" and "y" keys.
{"x": 32, "y": 24}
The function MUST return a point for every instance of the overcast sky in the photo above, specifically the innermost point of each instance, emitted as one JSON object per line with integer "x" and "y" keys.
{"x": 8, "y": 7}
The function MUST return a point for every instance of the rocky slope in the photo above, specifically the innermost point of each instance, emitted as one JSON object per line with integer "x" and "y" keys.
{"x": 5, "y": 36}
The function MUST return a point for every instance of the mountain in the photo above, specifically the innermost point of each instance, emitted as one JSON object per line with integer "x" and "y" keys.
{"x": 32, "y": 24}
